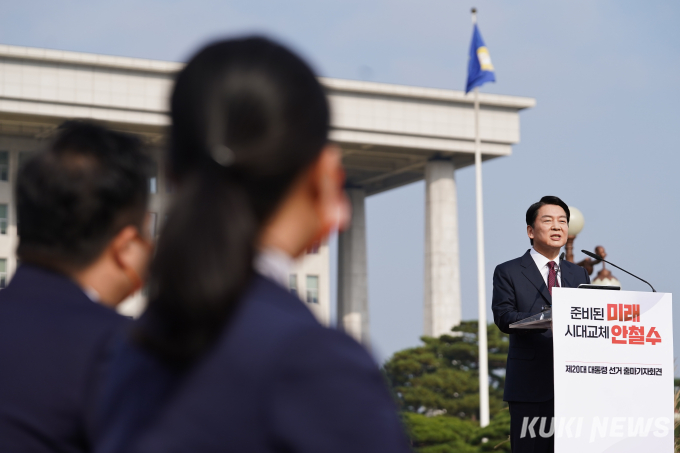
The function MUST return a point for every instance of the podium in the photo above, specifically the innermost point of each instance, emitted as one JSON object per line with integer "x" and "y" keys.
{"x": 613, "y": 370}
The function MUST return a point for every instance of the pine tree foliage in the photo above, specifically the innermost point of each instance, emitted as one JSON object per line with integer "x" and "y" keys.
{"x": 442, "y": 375}
{"x": 437, "y": 388}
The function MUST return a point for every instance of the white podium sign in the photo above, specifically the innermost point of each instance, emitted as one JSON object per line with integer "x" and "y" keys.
{"x": 613, "y": 353}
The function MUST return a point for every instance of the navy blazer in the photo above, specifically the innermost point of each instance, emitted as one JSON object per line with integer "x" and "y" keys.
{"x": 52, "y": 347}
{"x": 519, "y": 291}
{"x": 275, "y": 381}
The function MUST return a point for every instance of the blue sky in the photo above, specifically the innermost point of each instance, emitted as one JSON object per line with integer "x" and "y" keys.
{"x": 604, "y": 135}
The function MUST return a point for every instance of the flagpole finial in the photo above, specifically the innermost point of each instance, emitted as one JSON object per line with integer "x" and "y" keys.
{"x": 474, "y": 15}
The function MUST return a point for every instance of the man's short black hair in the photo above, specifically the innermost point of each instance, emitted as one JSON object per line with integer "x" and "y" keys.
{"x": 532, "y": 212}
{"x": 76, "y": 195}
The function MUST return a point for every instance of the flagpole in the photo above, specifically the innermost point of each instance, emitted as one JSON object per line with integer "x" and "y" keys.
{"x": 481, "y": 283}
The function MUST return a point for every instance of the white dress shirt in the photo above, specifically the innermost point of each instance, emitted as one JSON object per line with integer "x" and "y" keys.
{"x": 274, "y": 264}
{"x": 542, "y": 265}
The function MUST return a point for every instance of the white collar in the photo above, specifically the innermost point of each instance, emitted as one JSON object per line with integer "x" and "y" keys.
{"x": 541, "y": 260}
{"x": 274, "y": 264}
{"x": 92, "y": 294}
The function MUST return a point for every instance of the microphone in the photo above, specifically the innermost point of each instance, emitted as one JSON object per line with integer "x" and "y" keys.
{"x": 562, "y": 257}
{"x": 598, "y": 257}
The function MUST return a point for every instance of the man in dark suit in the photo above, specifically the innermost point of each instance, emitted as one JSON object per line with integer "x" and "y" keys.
{"x": 81, "y": 205}
{"x": 521, "y": 288}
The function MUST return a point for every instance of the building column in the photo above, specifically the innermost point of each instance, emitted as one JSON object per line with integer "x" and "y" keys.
{"x": 352, "y": 272}
{"x": 442, "y": 309}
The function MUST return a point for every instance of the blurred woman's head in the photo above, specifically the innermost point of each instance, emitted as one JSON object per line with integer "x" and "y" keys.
{"x": 249, "y": 151}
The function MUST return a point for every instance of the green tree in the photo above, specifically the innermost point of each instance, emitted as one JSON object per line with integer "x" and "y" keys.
{"x": 440, "y": 434}
{"x": 497, "y": 434}
{"x": 445, "y": 434}
{"x": 437, "y": 388}
{"x": 442, "y": 375}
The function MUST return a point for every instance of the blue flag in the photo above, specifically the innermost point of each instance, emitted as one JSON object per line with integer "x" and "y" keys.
{"x": 480, "y": 69}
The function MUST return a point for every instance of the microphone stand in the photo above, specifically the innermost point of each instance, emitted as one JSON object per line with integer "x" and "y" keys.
{"x": 598, "y": 257}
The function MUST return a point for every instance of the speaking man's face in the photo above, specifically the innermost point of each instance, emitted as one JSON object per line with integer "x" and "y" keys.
{"x": 550, "y": 228}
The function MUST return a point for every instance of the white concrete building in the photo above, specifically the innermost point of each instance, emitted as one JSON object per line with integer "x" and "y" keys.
{"x": 390, "y": 135}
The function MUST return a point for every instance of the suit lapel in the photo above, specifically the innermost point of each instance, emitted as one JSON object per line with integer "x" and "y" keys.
{"x": 532, "y": 273}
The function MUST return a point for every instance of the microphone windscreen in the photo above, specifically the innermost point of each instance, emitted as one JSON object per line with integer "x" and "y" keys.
{"x": 593, "y": 255}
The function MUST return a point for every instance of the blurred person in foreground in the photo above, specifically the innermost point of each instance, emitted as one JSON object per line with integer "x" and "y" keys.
{"x": 81, "y": 204}
{"x": 226, "y": 359}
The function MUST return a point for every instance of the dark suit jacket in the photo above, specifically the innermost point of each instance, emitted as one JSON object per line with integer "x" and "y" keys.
{"x": 52, "y": 339}
{"x": 276, "y": 381}
{"x": 519, "y": 292}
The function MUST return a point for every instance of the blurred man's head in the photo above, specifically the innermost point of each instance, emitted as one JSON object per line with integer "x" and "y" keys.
{"x": 548, "y": 224}
{"x": 81, "y": 206}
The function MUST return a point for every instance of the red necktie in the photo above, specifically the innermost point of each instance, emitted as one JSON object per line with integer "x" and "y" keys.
{"x": 552, "y": 276}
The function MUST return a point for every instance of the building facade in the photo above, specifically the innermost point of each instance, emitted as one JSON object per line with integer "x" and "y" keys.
{"x": 390, "y": 135}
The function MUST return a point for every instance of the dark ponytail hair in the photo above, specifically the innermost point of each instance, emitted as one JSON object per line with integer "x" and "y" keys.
{"x": 248, "y": 116}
